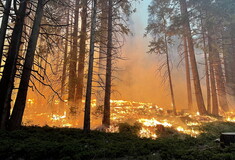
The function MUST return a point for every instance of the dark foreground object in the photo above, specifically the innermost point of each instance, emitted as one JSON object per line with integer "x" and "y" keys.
{"x": 35, "y": 143}
{"x": 227, "y": 138}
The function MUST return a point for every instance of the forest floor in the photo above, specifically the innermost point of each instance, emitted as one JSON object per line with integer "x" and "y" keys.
{"x": 45, "y": 143}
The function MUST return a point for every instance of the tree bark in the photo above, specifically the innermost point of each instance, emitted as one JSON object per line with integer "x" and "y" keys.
{"x": 82, "y": 54}
{"x": 7, "y": 81}
{"x": 63, "y": 79}
{"x": 102, "y": 54}
{"x": 73, "y": 62}
{"x": 106, "y": 116}
{"x": 197, "y": 85}
{"x": 19, "y": 107}
{"x": 215, "y": 107}
{"x": 3, "y": 29}
{"x": 170, "y": 78}
{"x": 188, "y": 76}
{"x": 87, "y": 117}
{"x": 208, "y": 90}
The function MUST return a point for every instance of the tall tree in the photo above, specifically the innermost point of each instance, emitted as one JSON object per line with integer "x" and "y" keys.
{"x": 106, "y": 116}
{"x": 65, "y": 62}
{"x": 18, "y": 110}
{"x": 197, "y": 85}
{"x": 73, "y": 61}
{"x": 87, "y": 117}
{"x": 7, "y": 81}
{"x": 3, "y": 28}
{"x": 102, "y": 53}
{"x": 188, "y": 75}
{"x": 82, "y": 54}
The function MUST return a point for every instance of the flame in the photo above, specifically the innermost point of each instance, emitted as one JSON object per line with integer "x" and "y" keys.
{"x": 149, "y": 115}
{"x": 153, "y": 122}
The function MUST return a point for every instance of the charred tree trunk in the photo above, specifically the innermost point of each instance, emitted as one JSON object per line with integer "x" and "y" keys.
{"x": 73, "y": 62}
{"x": 7, "y": 81}
{"x": 87, "y": 117}
{"x": 188, "y": 76}
{"x": 102, "y": 54}
{"x": 3, "y": 29}
{"x": 82, "y": 54}
{"x": 197, "y": 85}
{"x": 18, "y": 110}
{"x": 106, "y": 117}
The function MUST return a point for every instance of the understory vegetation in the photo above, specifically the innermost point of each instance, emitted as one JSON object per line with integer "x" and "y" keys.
{"x": 65, "y": 143}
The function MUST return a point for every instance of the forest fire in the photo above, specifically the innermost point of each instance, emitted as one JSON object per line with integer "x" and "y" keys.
{"x": 153, "y": 119}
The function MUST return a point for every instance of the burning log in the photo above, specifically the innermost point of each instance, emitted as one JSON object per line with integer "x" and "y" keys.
{"x": 227, "y": 138}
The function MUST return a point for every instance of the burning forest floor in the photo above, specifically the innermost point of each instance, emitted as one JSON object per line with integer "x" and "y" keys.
{"x": 138, "y": 131}
{"x": 150, "y": 119}
{"x": 37, "y": 143}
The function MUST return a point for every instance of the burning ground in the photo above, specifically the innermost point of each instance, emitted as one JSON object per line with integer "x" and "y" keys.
{"x": 151, "y": 119}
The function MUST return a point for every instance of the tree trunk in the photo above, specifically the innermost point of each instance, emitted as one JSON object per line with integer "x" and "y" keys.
{"x": 220, "y": 82}
{"x": 63, "y": 79}
{"x": 7, "y": 81}
{"x": 188, "y": 76}
{"x": 106, "y": 116}
{"x": 102, "y": 54}
{"x": 215, "y": 108}
{"x": 3, "y": 29}
{"x": 208, "y": 90}
{"x": 82, "y": 54}
{"x": 18, "y": 110}
{"x": 169, "y": 77}
{"x": 87, "y": 117}
{"x": 73, "y": 62}
{"x": 197, "y": 85}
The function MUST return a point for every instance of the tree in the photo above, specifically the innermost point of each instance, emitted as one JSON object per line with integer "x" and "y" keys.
{"x": 3, "y": 29}
{"x": 188, "y": 76}
{"x": 82, "y": 54}
{"x": 197, "y": 85}
{"x": 106, "y": 116}
{"x": 158, "y": 27}
{"x": 7, "y": 81}
{"x": 18, "y": 110}
{"x": 73, "y": 61}
{"x": 86, "y": 125}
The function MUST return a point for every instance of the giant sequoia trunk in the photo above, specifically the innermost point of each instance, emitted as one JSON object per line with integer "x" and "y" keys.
{"x": 82, "y": 54}
{"x": 106, "y": 117}
{"x": 3, "y": 28}
{"x": 7, "y": 81}
{"x": 102, "y": 53}
{"x": 188, "y": 79}
{"x": 87, "y": 123}
{"x": 197, "y": 85}
{"x": 73, "y": 61}
{"x": 18, "y": 110}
